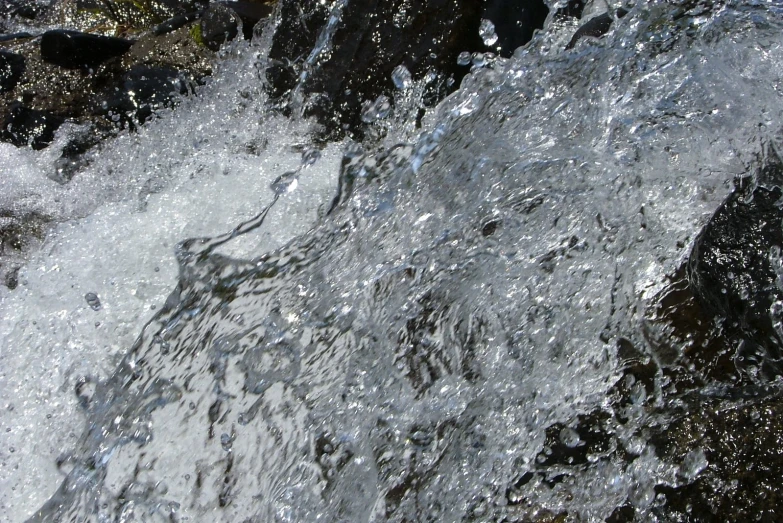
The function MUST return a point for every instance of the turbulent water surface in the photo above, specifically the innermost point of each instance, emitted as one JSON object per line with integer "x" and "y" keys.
{"x": 450, "y": 340}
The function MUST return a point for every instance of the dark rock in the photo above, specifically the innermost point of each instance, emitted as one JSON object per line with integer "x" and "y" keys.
{"x": 734, "y": 266}
{"x": 595, "y": 27}
{"x": 143, "y": 90}
{"x": 74, "y": 50}
{"x": 11, "y": 70}
{"x": 218, "y": 25}
{"x": 178, "y": 49}
{"x": 514, "y": 21}
{"x": 250, "y": 13}
{"x": 23, "y": 126}
{"x": 371, "y": 39}
{"x": 741, "y": 444}
{"x": 294, "y": 38}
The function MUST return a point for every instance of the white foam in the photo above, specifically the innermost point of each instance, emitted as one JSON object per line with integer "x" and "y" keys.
{"x": 197, "y": 172}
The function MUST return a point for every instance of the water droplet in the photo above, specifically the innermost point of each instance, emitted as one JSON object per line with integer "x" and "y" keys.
{"x": 569, "y": 437}
{"x": 225, "y": 441}
{"x": 464, "y": 58}
{"x": 695, "y": 461}
{"x": 487, "y": 32}
{"x": 401, "y": 77}
{"x": 376, "y": 110}
{"x": 93, "y": 301}
{"x": 285, "y": 183}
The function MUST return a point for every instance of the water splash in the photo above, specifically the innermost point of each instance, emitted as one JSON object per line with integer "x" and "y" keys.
{"x": 451, "y": 341}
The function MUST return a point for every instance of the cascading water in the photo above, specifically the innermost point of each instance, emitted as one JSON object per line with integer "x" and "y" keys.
{"x": 463, "y": 333}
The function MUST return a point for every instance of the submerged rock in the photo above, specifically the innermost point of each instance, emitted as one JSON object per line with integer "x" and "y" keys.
{"x": 27, "y": 9}
{"x": 117, "y": 16}
{"x": 15, "y": 36}
{"x": 19, "y": 233}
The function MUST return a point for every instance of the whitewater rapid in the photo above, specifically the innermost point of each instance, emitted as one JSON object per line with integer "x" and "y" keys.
{"x": 404, "y": 350}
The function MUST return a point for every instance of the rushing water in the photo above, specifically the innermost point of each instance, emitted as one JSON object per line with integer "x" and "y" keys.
{"x": 461, "y": 300}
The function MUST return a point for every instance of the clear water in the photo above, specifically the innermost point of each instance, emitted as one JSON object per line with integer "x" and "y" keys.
{"x": 404, "y": 357}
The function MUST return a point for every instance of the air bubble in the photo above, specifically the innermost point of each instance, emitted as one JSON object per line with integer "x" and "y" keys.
{"x": 285, "y": 183}
{"x": 93, "y": 301}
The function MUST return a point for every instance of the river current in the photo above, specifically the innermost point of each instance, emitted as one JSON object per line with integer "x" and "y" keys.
{"x": 429, "y": 328}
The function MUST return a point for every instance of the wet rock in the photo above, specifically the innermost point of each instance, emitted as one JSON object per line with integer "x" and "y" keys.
{"x": 514, "y": 22}
{"x": 131, "y": 86}
{"x": 371, "y": 40}
{"x": 743, "y": 464}
{"x": 74, "y": 50}
{"x": 143, "y": 90}
{"x": 11, "y": 69}
{"x": 295, "y": 36}
{"x": 596, "y": 27}
{"x": 250, "y": 13}
{"x": 218, "y": 25}
{"x": 177, "y": 49}
{"x": 23, "y": 126}
{"x": 737, "y": 273}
